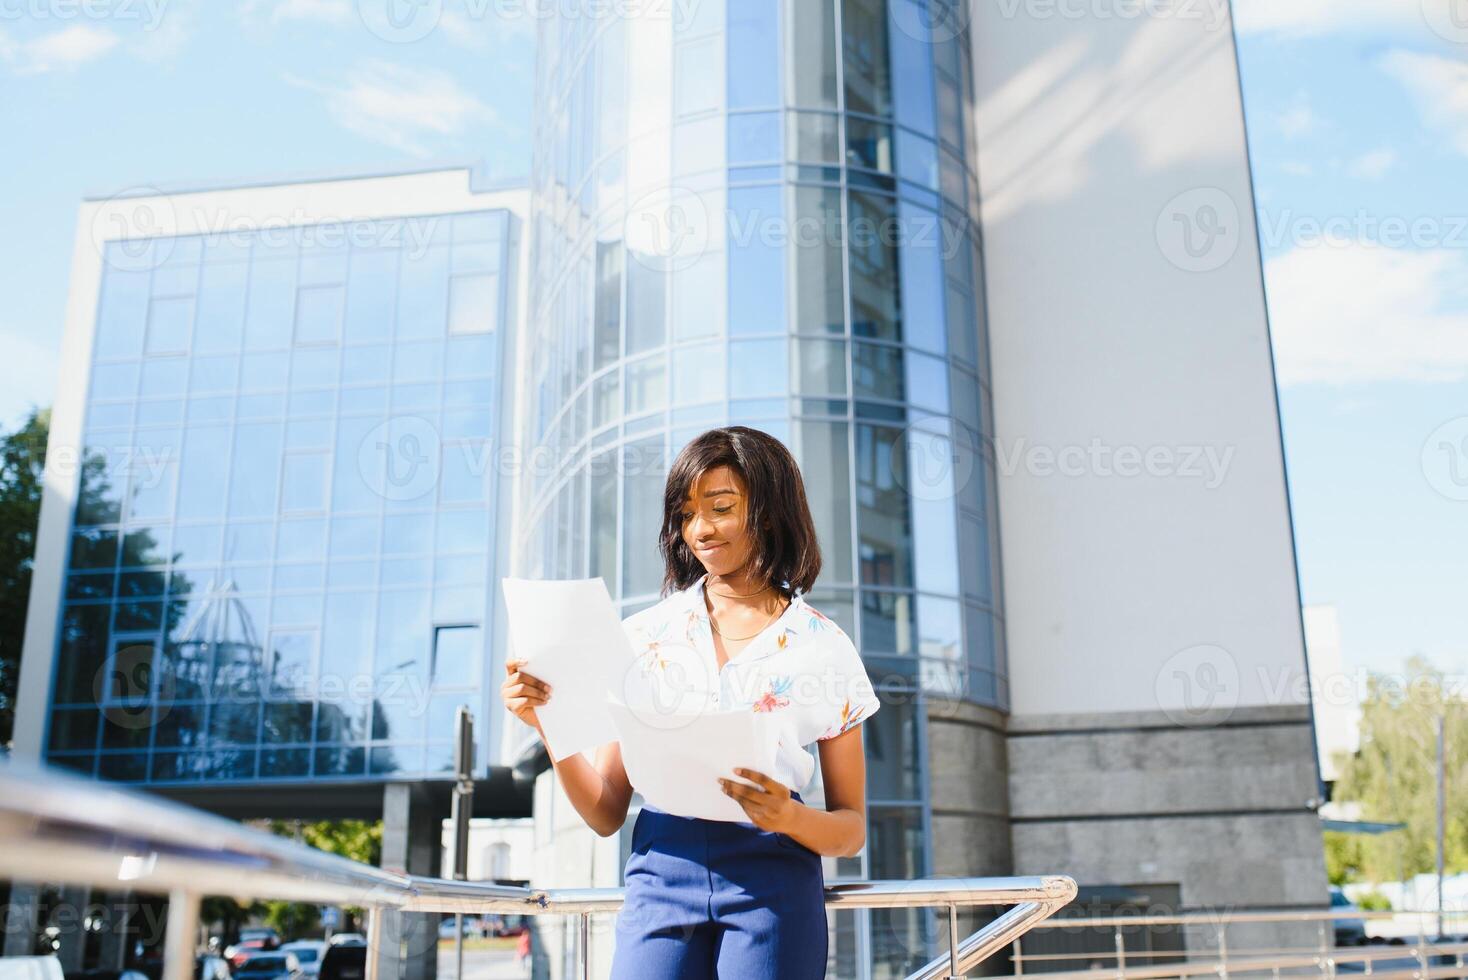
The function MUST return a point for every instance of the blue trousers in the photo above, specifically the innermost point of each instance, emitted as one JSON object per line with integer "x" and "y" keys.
{"x": 709, "y": 898}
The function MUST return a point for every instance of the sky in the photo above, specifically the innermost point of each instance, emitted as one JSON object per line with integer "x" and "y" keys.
{"x": 1357, "y": 114}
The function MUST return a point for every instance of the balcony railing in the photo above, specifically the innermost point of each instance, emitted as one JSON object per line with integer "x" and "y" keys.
{"x": 60, "y": 828}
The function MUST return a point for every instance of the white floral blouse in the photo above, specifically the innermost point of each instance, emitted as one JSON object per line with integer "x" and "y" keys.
{"x": 802, "y": 668}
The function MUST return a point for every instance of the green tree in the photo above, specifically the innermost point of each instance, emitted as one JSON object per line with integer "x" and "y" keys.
{"x": 1394, "y": 776}
{"x": 359, "y": 840}
{"x": 22, "y": 460}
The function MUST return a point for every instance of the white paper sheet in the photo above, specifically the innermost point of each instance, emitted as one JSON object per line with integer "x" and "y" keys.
{"x": 569, "y": 635}
{"x": 676, "y": 760}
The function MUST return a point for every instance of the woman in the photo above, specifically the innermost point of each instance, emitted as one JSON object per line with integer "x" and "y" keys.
{"x": 709, "y": 898}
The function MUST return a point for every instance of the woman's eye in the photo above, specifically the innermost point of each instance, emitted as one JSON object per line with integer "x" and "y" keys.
{"x": 723, "y": 511}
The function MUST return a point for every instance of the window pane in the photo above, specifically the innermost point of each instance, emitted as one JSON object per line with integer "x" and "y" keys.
{"x": 869, "y": 144}
{"x": 272, "y": 304}
{"x": 932, "y": 468}
{"x": 123, "y": 313}
{"x": 864, "y": 48}
{"x": 646, "y": 300}
{"x": 603, "y": 476}
{"x": 698, "y": 297}
{"x": 754, "y": 137}
{"x": 756, "y": 261}
{"x": 319, "y": 314}
{"x": 303, "y": 484}
{"x": 647, "y": 385}
{"x": 759, "y": 368}
{"x": 821, "y": 448}
{"x": 698, "y": 374}
{"x": 292, "y": 663}
{"x": 877, "y": 371}
{"x": 754, "y": 53}
{"x": 883, "y": 521}
{"x": 921, "y": 255}
{"x": 221, "y": 315}
{"x": 372, "y": 289}
{"x": 423, "y": 300}
{"x": 698, "y": 70}
{"x": 812, "y": 56}
{"x": 458, "y": 651}
{"x": 875, "y": 302}
{"x": 606, "y": 346}
{"x": 170, "y": 324}
{"x": 473, "y": 304}
{"x": 645, "y": 466}
{"x": 912, "y": 63}
{"x": 815, "y": 247}
{"x": 203, "y": 471}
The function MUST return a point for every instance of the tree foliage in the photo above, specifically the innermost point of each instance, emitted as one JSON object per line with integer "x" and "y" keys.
{"x": 22, "y": 461}
{"x": 1394, "y": 778}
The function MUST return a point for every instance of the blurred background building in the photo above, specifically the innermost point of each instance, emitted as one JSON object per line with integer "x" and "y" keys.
{"x": 956, "y": 260}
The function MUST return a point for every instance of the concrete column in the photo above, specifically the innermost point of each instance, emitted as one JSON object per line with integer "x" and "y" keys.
{"x": 412, "y": 832}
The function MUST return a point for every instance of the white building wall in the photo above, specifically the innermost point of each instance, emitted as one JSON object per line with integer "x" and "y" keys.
{"x": 1147, "y": 548}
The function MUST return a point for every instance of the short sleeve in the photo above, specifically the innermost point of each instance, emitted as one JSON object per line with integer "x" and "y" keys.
{"x": 852, "y": 699}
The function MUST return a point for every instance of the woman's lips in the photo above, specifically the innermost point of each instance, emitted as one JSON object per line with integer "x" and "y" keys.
{"x": 704, "y": 551}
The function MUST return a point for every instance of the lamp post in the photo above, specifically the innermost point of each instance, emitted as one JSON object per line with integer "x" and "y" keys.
{"x": 462, "y": 809}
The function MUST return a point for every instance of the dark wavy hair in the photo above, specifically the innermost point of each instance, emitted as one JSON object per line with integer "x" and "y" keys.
{"x": 786, "y": 552}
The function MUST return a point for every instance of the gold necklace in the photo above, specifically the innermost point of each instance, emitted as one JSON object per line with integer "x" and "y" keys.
{"x": 750, "y": 636}
{"x": 746, "y": 595}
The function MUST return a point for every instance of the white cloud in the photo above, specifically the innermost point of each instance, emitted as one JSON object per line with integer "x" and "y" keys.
{"x": 1298, "y": 119}
{"x": 1299, "y": 18}
{"x": 1361, "y": 313}
{"x": 1438, "y": 86}
{"x": 276, "y": 11}
{"x": 1297, "y": 168}
{"x": 399, "y": 106}
{"x": 1374, "y": 164}
{"x": 61, "y": 50}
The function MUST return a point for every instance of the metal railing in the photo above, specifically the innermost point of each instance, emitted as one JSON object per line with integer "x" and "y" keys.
{"x": 1421, "y": 959}
{"x": 65, "y": 829}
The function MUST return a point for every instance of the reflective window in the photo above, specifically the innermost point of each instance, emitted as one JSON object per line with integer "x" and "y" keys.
{"x": 815, "y": 254}
{"x": 864, "y": 47}
{"x": 812, "y": 54}
{"x": 756, "y": 260}
{"x": 874, "y": 232}
{"x": 754, "y": 53}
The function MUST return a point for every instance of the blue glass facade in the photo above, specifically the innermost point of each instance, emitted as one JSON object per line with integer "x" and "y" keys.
{"x": 282, "y": 546}
{"x": 764, "y": 212}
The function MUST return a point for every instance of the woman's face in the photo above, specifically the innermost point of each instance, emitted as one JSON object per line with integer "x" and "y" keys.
{"x": 713, "y": 518}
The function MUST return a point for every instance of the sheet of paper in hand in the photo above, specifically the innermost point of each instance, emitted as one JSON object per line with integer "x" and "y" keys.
{"x": 569, "y": 635}
{"x": 675, "y": 760}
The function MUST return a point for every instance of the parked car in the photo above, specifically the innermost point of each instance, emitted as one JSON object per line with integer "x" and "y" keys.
{"x": 264, "y": 966}
{"x": 344, "y": 961}
{"x": 271, "y": 937}
{"x": 238, "y": 952}
{"x": 1350, "y": 929}
{"x": 306, "y": 954}
{"x": 348, "y": 939}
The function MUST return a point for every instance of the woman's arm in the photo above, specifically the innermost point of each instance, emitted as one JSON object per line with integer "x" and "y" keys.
{"x": 599, "y": 791}
{"x": 840, "y": 830}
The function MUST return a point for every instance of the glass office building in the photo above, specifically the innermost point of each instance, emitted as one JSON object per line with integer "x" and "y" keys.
{"x": 764, "y": 213}
{"x": 282, "y": 544}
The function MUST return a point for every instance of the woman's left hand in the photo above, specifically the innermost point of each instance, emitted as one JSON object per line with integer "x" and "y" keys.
{"x": 772, "y": 809}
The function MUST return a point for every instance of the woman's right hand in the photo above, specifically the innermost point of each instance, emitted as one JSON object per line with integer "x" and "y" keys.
{"x": 522, "y": 693}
